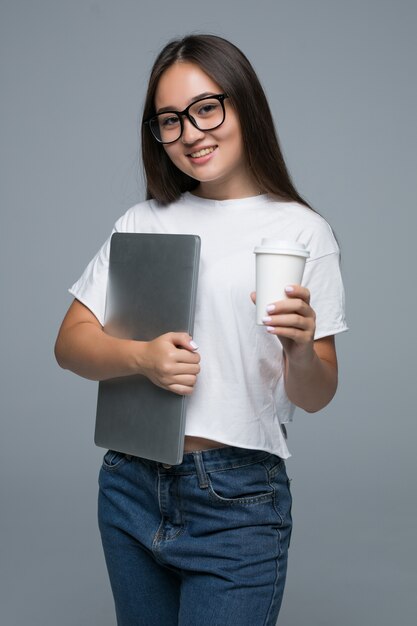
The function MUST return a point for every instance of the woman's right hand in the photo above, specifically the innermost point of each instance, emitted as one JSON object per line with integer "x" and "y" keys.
{"x": 170, "y": 361}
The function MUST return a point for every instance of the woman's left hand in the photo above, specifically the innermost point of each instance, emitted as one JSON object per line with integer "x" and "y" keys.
{"x": 293, "y": 321}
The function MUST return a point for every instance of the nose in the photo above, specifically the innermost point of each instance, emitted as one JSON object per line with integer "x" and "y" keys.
{"x": 190, "y": 133}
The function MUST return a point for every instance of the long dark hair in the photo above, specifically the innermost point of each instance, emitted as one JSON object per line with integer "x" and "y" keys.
{"x": 229, "y": 67}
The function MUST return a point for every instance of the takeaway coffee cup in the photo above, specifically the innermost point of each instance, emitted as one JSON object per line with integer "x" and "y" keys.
{"x": 278, "y": 263}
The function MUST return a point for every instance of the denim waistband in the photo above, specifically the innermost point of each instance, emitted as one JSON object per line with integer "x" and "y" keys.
{"x": 214, "y": 459}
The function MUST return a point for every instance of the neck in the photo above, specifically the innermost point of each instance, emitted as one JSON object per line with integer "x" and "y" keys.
{"x": 228, "y": 190}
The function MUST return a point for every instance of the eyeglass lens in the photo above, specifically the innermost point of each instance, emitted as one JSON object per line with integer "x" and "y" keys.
{"x": 205, "y": 114}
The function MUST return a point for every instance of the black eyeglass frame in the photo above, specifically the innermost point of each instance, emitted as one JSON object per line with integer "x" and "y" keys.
{"x": 221, "y": 97}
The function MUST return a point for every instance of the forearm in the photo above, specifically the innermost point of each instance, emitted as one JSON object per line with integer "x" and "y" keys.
{"x": 88, "y": 351}
{"x": 310, "y": 384}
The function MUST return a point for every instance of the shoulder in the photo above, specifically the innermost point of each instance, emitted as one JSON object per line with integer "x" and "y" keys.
{"x": 142, "y": 215}
{"x": 310, "y": 228}
{"x": 130, "y": 219}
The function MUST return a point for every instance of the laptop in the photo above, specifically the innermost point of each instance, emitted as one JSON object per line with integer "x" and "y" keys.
{"x": 151, "y": 291}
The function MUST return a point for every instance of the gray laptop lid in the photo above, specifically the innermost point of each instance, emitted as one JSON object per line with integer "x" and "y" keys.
{"x": 151, "y": 291}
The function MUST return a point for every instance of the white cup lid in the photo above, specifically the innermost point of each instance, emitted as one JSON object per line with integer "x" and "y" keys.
{"x": 272, "y": 245}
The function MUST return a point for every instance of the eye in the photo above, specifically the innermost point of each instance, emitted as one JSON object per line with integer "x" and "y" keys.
{"x": 208, "y": 108}
{"x": 168, "y": 121}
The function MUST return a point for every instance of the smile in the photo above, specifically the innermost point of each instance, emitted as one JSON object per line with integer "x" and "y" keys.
{"x": 202, "y": 152}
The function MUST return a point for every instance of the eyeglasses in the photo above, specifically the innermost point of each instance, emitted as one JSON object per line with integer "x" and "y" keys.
{"x": 205, "y": 114}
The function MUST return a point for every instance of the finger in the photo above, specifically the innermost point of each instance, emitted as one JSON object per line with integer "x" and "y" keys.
{"x": 185, "y": 356}
{"x": 296, "y": 334}
{"x": 169, "y": 368}
{"x": 183, "y": 340}
{"x": 177, "y": 377}
{"x": 186, "y": 380}
{"x": 290, "y": 305}
{"x": 186, "y": 368}
{"x": 181, "y": 390}
{"x": 253, "y": 297}
{"x": 290, "y": 321}
{"x": 297, "y": 291}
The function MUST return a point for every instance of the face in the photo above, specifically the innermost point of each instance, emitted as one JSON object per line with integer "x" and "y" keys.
{"x": 215, "y": 157}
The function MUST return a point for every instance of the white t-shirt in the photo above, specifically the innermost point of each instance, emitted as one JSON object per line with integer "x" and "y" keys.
{"x": 239, "y": 398}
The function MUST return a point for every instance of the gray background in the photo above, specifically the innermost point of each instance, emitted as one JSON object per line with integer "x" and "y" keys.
{"x": 339, "y": 76}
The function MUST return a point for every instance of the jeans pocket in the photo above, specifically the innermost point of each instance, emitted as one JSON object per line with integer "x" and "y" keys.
{"x": 283, "y": 499}
{"x": 112, "y": 460}
{"x": 240, "y": 485}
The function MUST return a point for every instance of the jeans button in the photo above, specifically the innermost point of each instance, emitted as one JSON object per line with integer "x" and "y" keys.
{"x": 166, "y": 466}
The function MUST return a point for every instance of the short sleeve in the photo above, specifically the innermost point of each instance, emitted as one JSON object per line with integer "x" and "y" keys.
{"x": 91, "y": 287}
{"x": 322, "y": 276}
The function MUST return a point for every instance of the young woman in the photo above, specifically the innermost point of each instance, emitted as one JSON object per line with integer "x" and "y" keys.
{"x": 205, "y": 542}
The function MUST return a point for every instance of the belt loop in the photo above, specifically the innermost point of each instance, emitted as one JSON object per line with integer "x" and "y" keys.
{"x": 201, "y": 471}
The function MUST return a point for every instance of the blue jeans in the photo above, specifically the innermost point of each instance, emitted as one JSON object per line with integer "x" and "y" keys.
{"x": 202, "y": 543}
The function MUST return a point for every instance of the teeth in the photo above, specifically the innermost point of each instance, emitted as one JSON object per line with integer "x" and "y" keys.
{"x": 201, "y": 153}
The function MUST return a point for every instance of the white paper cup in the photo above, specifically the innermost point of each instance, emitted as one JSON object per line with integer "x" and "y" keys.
{"x": 278, "y": 263}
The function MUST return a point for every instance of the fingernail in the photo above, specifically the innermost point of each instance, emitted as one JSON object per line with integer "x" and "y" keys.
{"x": 193, "y": 345}
{"x": 289, "y": 289}
{"x": 270, "y": 308}
{"x": 267, "y": 318}
{"x": 269, "y": 328}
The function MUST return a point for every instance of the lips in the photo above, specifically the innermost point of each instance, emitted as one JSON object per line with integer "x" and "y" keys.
{"x": 202, "y": 152}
